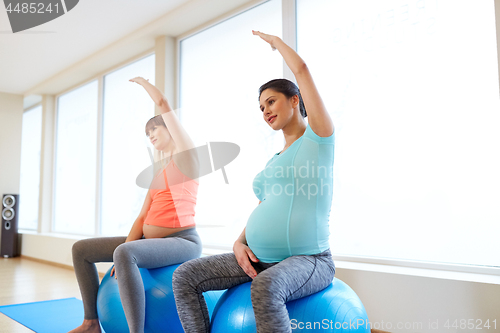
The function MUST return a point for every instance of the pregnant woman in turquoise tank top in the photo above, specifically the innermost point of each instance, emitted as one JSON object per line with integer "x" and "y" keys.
{"x": 295, "y": 190}
{"x": 284, "y": 247}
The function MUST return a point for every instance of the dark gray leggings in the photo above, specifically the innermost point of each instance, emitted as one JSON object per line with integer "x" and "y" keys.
{"x": 128, "y": 258}
{"x": 274, "y": 285}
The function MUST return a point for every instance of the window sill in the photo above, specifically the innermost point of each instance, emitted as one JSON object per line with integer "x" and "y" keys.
{"x": 420, "y": 272}
{"x": 53, "y": 234}
{"x": 490, "y": 275}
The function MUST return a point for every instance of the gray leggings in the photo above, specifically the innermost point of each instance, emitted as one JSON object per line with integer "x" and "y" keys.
{"x": 274, "y": 285}
{"x": 128, "y": 258}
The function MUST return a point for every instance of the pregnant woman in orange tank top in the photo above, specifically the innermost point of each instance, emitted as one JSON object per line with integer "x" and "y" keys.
{"x": 164, "y": 232}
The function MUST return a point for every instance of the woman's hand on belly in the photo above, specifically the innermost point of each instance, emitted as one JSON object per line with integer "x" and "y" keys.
{"x": 153, "y": 231}
{"x": 243, "y": 256}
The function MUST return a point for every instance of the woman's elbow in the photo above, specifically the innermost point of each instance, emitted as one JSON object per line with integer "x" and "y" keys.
{"x": 163, "y": 105}
{"x": 301, "y": 68}
{"x": 160, "y": 101}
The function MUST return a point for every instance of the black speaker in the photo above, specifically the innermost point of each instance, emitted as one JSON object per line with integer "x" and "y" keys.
{"x": 10, "y": 209}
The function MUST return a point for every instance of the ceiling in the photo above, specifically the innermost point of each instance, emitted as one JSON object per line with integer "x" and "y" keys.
{"x": 93, "y": 36}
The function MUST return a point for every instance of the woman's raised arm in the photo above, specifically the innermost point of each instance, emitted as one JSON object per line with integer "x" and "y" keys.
{"x": 319, "y": 119}
{"x": 179, "y": 135}
{"x": 189, "y": 162}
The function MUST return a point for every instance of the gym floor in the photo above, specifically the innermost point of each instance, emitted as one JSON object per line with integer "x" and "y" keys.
{"x": 24, "y": 281}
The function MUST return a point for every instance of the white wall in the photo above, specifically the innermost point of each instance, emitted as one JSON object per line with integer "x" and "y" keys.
{"x": 53, "y": 248}
{"x": 11, "y": 118}
{"x": 416, "y": 301}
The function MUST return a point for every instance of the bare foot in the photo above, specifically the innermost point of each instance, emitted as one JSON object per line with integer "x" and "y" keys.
{"x": 88, "y": 326}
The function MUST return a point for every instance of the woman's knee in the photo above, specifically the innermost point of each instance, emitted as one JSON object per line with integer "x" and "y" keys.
{"x": 185, "y": 274}
{"x": 198, "y": 274}
{"x": 80, "y": 248}
{"x": 265, "y": 287}
{"x": 123, "y": 254}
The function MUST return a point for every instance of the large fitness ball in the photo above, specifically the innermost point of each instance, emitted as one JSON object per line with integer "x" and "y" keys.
{"x": 161, "y": 313}
{"x": 334, "y": 309}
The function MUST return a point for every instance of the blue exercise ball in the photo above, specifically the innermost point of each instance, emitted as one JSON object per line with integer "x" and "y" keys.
{"x": 334, "y": 309}
{"x": 161, "y": 313}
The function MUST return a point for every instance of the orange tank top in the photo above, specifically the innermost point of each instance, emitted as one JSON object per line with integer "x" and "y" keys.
{"x": 173, "y": 196}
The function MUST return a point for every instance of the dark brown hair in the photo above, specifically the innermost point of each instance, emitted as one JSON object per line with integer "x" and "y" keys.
{"x": 287, "y": 88}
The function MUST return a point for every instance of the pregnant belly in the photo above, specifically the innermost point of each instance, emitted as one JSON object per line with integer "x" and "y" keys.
{"x": 267, "y": 232}
{"x": 153, "y": 231}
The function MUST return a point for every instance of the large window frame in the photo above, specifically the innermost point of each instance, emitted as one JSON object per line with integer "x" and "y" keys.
{"x": 32, "y": 109}
{"x": 99, "y": 141}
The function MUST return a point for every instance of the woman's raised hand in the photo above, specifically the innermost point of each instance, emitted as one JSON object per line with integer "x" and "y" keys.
{"x": 268, "y": 38}
{"x": 138, "y": 79}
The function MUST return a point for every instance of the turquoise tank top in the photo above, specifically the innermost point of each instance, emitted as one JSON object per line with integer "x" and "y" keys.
{"x": 296, "y": 189}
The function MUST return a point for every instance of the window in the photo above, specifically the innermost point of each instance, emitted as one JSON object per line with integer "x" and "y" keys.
{"x": 80, "y": 175}
{"x": 219, "y": 101}
{"x": 75, "y": 162}
{"x": 127, "y": 108}
{"x": 413, "y": 92}
{"x": 30, "y": 168}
